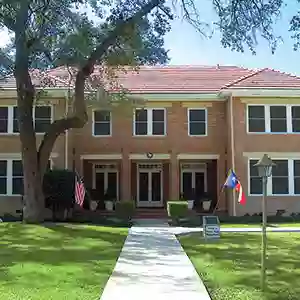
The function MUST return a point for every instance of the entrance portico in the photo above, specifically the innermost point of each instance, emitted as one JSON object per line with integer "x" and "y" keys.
{"x": 152, "y": 179}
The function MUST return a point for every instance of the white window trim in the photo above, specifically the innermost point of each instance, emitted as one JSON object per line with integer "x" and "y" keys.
{"x": 9, "y": 176}
{"x": 269, "y": 183}
{"x": 289, "y": 124}
{"x": 10, "y": 119}
{"x": 193, "y": 172}
{"x": 93, "y": 124}
{"x": 149, "y": 122}
{"x": 105, "y": 173}
{"x": 51, "y": 116}
{"x": 188, "y": 117}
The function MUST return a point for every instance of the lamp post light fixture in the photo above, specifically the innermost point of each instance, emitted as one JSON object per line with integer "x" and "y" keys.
{"x": 264, "y": 166}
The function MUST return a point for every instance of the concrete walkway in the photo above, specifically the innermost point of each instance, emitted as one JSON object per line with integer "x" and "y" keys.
{"x": 153, "y": 265}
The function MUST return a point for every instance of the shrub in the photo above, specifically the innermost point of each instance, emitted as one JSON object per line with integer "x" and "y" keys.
{"x": 177, "y": 209}
{"x": 58, "y": 187}
{"x": 125, "y": 209}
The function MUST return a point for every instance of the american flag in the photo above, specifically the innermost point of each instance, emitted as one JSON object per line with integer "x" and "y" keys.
{"x": 79, "y": 190}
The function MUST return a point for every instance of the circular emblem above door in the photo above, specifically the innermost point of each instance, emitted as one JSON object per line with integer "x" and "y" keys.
{"x": 149, "y": 154}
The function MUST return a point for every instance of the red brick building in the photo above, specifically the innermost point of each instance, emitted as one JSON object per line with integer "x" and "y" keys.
{"x": 195, "y": 124}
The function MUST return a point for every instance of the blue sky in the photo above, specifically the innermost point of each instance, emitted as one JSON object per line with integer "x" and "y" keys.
{"x": 187, "y": 46}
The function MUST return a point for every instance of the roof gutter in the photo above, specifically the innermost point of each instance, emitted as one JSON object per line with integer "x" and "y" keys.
{"x": 261, "y": 92}
{"x": 172, "y": 97}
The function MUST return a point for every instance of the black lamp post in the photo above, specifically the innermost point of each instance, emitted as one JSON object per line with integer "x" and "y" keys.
{"x": 264, "y": 166}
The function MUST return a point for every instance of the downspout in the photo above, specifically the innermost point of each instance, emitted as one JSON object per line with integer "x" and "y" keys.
{"x": 232, "y": 143}
{"x": 66, "y": 133}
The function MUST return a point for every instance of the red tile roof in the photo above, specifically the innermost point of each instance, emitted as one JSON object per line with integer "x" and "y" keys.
{"x": 182, "y": 79}
{"x": 268, "y": 78}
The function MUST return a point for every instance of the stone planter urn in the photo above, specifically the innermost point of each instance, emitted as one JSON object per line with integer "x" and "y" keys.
{"x": 109, "y": 205}
{"x": 206, "y": 204}
{"x": 190, "y": 204}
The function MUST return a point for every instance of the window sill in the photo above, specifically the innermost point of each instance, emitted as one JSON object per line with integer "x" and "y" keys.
{"x": 101, "y": 136}
{"x": 197, "y": 135}
{"x": 273, "y": 133}
{"x": 17, "y": 133}
{"x": 151, "y": 136}
{"x": 277, "y": 195}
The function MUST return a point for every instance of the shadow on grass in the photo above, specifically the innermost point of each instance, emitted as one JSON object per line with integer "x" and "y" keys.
{"x": 234, "y": 262}
{"x": 65, "y": 254}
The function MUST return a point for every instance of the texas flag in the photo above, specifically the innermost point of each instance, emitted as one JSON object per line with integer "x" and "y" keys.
{"x": 233, "y": 183}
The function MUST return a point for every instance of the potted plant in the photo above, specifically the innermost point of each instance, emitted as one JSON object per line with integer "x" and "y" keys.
{"x": 190, "y": 199}
{"x": 206, "y": 202}
{"x": 109, "y": 202}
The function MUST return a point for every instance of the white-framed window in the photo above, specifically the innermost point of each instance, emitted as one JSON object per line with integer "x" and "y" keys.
{"x": 4, "y": 117}
{"x": 102, "y": 123}
{"x": 3, "y": 177}
{"x": 197, "y": 121}
{"x": 285, "y": 179}
{"x": 42, "y": 117}
{"x": 150, "y": 122}
{"x": 17, "y": 177}
{"x": 11, "y": 176}
{"x": 277, "y": 118}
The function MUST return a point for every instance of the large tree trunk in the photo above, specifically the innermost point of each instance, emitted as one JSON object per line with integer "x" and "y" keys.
{"x": 33, "y": 192}
{"x": 34, "y": 208}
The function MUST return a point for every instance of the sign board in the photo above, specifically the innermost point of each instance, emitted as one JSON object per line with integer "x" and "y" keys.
{"x": 211, "y": 227}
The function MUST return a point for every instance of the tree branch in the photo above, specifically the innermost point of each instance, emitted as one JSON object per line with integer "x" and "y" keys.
{"x": 35, "y": 39}
{"x": 80, "y": 117}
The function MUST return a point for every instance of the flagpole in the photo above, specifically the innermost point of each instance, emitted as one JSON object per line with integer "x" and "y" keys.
{"x": 218, "y": 199}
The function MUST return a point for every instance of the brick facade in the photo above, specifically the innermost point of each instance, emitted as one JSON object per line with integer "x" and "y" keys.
{"x": 226, "y": 145}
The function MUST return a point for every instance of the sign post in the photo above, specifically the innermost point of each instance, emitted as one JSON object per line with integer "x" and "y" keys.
{"x": 211, "y": 227}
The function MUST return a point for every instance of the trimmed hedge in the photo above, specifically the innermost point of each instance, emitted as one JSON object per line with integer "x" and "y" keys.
{"x": 125, "y": 209}
{"x": 177, "y": 209}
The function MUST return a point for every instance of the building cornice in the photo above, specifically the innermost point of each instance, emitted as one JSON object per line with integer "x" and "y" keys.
{"x": 261, "y": 92}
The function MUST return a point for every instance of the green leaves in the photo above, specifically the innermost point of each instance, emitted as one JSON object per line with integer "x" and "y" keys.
{"x": 241, "y": 21}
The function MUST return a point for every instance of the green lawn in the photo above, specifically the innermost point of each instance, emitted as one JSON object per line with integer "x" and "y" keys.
{"x": 61, "y": 262}
{"x": 230, "y": 267}
{"x": 259, "y": 225}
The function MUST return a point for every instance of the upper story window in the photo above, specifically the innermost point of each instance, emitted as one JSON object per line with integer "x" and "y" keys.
{"x": 273, "y": 118}
{"x": 150, "y": 121}
{"x": 285, "y": 179}
{"x": 102, "y": 123}
{"x": 3, "y": 119}
{"x": 42, "y": 117}
{"x": 197, "y": 121}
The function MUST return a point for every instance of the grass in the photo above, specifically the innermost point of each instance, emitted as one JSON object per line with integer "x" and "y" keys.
{"x": 273, "y": 221}
{"x": 255, "y": 225}
{"x": 230, "y": 267}
{"x": 57, "y": 261}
